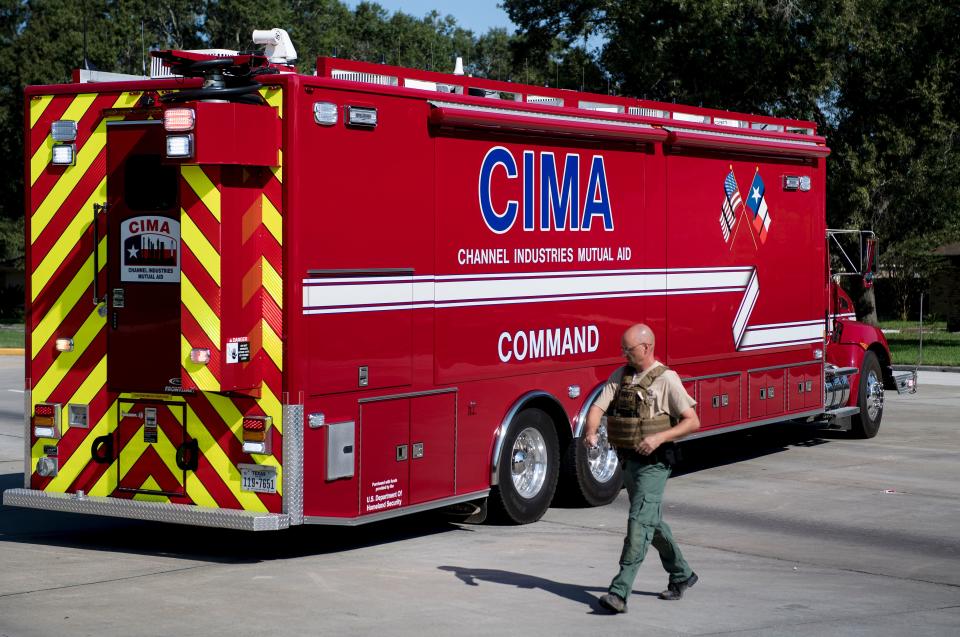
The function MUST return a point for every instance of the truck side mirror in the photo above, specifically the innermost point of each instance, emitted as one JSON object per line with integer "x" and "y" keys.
{"x": 869, "y": 262}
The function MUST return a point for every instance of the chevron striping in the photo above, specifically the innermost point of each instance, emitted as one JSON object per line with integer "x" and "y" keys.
{"x": 37, "y": 106}
{"x": 80, "y": 104}
{"x": 72, "y": 174}
{"x": 84, "y": 336}
{"x": 197, "y": 306}
{"x": 150, "y": 485}
{"x": 71, "y": 295}
{"x": 272, "y": 282}
{"x": 135, "y": 448}
{"x": 70, "y": 237}
{"x": 199, "y": 374}
{"x": 194, "y": 240}
{"x": 196, "y": 490}
{"x": 203, "y": 187}
{"x": 272, "y": 344}
{"x": 271, "y": 407}
{"x": 230, "y": 415}
{"x": 78, "y": 460}
{"x": 272, "y": 219}
{"x": 225, "y": 467}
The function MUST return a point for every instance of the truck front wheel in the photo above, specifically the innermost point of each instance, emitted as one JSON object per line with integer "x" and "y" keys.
{"x": 870, "y": 398}
{"x": 528, "y": 469}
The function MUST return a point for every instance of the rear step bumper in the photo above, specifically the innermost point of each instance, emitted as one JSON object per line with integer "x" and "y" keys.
{"x": 152, "y": 511}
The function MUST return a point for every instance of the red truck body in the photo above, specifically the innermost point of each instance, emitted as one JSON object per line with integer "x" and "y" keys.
{"x": 382, "y": 290}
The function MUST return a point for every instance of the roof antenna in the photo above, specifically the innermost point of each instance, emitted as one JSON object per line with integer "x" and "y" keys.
{"x": 86, "y": 63}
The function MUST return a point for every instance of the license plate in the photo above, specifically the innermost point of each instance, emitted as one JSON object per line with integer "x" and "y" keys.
{"x": 258, "y": 479}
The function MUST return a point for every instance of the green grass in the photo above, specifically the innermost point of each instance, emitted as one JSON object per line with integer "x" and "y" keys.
{"x": 11, "y": 334}
{"x": 940, "y": 347}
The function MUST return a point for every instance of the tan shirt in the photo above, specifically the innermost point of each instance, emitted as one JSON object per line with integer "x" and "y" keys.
{"x": 665, "y": 396}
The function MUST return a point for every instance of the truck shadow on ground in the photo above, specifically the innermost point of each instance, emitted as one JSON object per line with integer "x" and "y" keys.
{"x": 586, "y": 595}
{"x": 93, "y": 533}
{"x": 227, "y": 546}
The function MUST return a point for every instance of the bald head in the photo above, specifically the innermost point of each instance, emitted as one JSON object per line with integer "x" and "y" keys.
{"x": 637, "y": 345}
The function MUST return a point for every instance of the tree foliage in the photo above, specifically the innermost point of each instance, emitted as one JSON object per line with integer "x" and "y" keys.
{"x": 878, "y": 76}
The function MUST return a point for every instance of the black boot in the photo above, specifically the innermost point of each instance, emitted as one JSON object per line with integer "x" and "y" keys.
{"x": 675, "y": 589}
{"x": 613, "y": 603}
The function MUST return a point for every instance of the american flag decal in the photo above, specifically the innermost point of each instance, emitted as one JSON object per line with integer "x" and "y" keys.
{"x": 732, "y": 202}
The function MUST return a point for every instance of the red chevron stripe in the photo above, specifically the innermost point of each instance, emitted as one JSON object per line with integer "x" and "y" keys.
{"x": 199, "y": 213}
{"x": 71, "y": 206}
{"x": 85, "y": 127}
{"x": 150, "y": 465}
{"x": 72, "y": 264}
{"x": 190, "y": 265}
{"x": 71, "y": 323}
{"x": 40, "y": 130}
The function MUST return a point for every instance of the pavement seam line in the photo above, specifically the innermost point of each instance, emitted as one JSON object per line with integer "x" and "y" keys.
{"x": 105, "y": 581}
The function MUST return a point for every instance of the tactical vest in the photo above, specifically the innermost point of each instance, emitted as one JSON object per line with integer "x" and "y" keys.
{"x": 631, "y": 418}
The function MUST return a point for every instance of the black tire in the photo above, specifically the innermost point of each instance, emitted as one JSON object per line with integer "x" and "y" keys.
{"x": 537, "y": 456}
{"x": 869, "y": 398}
{"x": 578, "y": 483}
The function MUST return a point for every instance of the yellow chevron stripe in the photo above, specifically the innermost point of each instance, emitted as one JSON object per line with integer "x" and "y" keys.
{"x": 234, "y": 419}
{"x": 274, "y": 97}
{"x": 70, "y": 297}
{"x": 272, "y": 219}
{"x": 151, "y": 485}
{"x": 65, "y": 360}
{"x": 278, "y": 169}
{"x": 136, "y": 447}
{"x": 76, "y": 462}
{"x": 197, "y": 306}
{"x": 78, "y": 107}
{"x": 196, "y": 490}
{"x": 70, "y": 237}
{"x": 272, "y": 282}
{"x": 223, "y": 466}
{"x": 199, "y": 374}
{"x": 72, "y": 174}
{"x": 38, "y": 104}
{"x": 203, "y": 187}
{"x": 271, "y": 406}
{"x": 272, "y": 344}
{"x": 194, "y": 239}
{"x": 92, "y": 384}
{"x": 41, "y": 158}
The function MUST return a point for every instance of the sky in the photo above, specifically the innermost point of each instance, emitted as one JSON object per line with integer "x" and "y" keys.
{"x": 475, "y": 15}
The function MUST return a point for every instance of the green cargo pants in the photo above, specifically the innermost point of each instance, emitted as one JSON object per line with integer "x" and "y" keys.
{"x": 645, "y": 482}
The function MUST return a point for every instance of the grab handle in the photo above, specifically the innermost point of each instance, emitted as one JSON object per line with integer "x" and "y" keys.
{"x": 98, "y": 208}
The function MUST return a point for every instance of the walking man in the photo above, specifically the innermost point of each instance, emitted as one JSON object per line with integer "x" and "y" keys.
{"x": 647, "y": 409}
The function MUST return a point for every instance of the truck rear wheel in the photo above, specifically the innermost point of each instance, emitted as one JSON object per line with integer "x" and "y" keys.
{"x": 870, "y": 398}
{"x": 529, "y": 465}
{"x": 591, "y": 477}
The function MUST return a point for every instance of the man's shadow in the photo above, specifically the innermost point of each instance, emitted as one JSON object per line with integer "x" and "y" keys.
{"x": 586, "y": 595}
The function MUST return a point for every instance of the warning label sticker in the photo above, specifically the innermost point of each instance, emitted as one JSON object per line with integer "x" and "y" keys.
{"x": 238, "y": 350}
{"x": 150, "y": 249}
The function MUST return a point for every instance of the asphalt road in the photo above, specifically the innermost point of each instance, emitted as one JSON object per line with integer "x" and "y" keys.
{"x": 793, "y": 532}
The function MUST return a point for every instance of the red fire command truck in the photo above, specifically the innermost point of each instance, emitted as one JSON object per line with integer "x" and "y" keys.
{"x": 257, "y": 298}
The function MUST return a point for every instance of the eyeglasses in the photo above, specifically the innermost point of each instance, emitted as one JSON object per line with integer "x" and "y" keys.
{"x": 627, "y": 350}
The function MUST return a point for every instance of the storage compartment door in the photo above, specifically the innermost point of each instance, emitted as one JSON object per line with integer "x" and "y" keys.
{"x": 432, "y": 446}
{"x": 775, "y": 392}
{"x": 730, "y": 399}
{"x": 384, "y": 455}
{"x": 708, "y": 397}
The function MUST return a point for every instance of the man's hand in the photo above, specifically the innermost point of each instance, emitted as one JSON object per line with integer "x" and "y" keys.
{"x": 649, "y": 444}
{"x": 591, "y": 440}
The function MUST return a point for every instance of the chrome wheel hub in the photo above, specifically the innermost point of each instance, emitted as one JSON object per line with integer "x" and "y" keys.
{"x": 874, "y": 396}
{"x": 529, "y": 463}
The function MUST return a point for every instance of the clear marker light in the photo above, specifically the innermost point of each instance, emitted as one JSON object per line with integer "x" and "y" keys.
{"x": 200, "y": 355}
{"x": 64, "y": 344}
{"x": 179, "y": 120}
{"x": 180, "y": 146}
{"x": 325, "y": 113}
{"x": 63, "y": 130}
{"x": 63, "y": 155}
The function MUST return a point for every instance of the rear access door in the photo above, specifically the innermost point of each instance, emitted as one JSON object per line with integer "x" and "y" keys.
{"x": 143, "y": 260}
